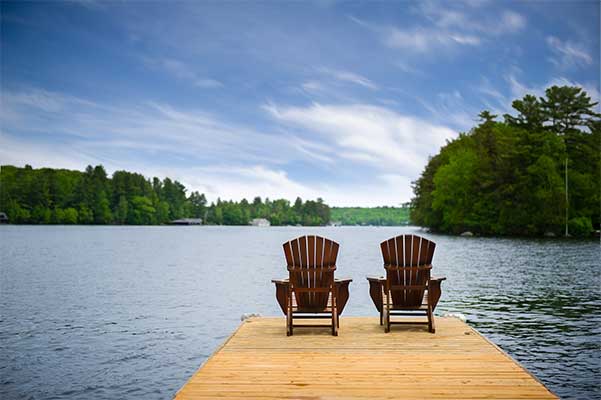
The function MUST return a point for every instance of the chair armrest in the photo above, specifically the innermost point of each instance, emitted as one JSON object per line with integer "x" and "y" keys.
{"x": 280, "y": 281}
{"x": 376, "y": 278}
{"x": 343, "y": 279}
{"x": 438, "y": 278}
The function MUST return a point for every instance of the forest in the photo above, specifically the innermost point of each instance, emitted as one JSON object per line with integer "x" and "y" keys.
{"x": 509, "y": 177}
{"x": 59, "y": 196}
{"x": 377, "y": 216}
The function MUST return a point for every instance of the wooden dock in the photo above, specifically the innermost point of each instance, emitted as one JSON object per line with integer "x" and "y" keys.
{"x": 260, "y": 361}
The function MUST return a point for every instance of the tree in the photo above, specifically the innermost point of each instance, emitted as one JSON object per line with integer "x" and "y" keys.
{"x": 122, "y": 210}
{"x": 198, "y": 204}
{"x": 70, "y": 216}
{"x": 486, "y": 117}
{"x": 85, "y": 215}
{"x": 530, "y": 116}
{"x": 162, "y": 212}
{"x": 567, "y": 107}
{"x": 142, "y": 212}
{"x": 101, "y": 209}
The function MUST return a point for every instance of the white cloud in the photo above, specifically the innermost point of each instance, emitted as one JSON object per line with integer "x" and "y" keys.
{"x": 450, "y": 108}
{"x": 207, "y": 83}
{"x": 425, "y": 40}
{"x": 146, "y": 129}
{"x": 460, "y": 18}
{"x": 511, "y": 22}
{"x": 373, "y": 135}
{"x": 182, "y": 71}
{"x": 15, "y": 151}
{"x": 408, "y": 68}
{"x": 447, "y": 28}
{"x": 351, "y": 77}
{"x": 568, "y": 54}
{"x": 313, "y": 86}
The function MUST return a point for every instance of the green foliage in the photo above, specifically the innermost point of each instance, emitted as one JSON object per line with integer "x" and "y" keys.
{"x": 198, "y": 204}
{"x": 507, "y": 178}
{"x": 141, "y": 211}
{"x": 278, "y": 212}
{"x": 455, "y": 185}
{"x": 69, "y": 216}
{"x": 122, "y": 210}
{"x": 580, "y": 226}
{"x": 377, "y": 216}
{"x": 57, "y": 196}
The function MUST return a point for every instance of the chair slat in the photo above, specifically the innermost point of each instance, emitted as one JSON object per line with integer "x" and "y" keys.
{"x": 311, "y": 251}
{"x": 288, "y": 254}
{"x": 295, "y": 254}
{"x": 385, "y": 252}
{"x": 319, "y": 251}
{"x": 407, "y": 239}
{"x": 415, "y": 250}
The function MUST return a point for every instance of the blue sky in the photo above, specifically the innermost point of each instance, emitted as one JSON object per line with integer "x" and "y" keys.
{"x": 344, "y": 101}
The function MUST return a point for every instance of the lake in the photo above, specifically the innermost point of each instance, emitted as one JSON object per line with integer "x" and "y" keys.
{"x": 131, "y": 312}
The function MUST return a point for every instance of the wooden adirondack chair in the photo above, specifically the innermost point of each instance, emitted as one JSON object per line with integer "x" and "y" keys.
{"x": 408, "y": 262}
{"x": 312, "y": 293}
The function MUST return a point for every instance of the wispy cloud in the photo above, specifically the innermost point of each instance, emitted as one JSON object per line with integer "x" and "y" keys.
{"x": 451, "y": 108}
{"x": 446, "y": 28}
{"x": 193, "y": 136}
{"x": 182, "y": 71}
{"x": 441, "y": 15}
{"x": 408, "y": 68}
{"x": 568, "y": 54}
{"x": 425, "y": 40}
{"x": 351, "y": 77}
{"x": 368, "y": 134}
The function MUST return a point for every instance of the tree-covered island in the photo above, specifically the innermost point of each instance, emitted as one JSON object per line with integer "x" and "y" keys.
{"x": 60, "y": 196}
{"x": 519, "y": 176}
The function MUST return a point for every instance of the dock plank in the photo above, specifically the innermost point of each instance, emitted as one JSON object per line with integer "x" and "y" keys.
{"x": 260, "y": 362}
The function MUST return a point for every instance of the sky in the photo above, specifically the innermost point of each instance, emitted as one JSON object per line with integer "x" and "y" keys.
{"x": 339, "y": 100}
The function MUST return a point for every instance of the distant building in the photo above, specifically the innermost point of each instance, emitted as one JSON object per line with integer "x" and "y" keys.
{"x": 187, "y": 221}
{"x": 260, "y": 222}
{"x": 3, "y": 218}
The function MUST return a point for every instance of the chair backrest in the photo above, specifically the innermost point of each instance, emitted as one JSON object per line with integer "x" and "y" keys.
{"x": 311, "y": 262}
{"x": 408, "y": 261}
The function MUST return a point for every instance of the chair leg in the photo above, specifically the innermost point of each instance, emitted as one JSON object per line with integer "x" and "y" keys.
{"x": 289, "y": 319}
{"x": 335, "y": 322}
{"x": 386, "y": 320}
{"x": 381, "y": 323}
{"x": 431, "y": 327}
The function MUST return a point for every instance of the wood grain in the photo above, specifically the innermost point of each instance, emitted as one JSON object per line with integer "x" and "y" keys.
{"x": 260, "y": 362}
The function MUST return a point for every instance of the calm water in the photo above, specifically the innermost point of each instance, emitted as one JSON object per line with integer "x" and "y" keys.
{"x": 131, "y": 312}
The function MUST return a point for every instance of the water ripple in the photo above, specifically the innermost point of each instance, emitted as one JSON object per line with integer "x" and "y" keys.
{"x": 114, "y": 312}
